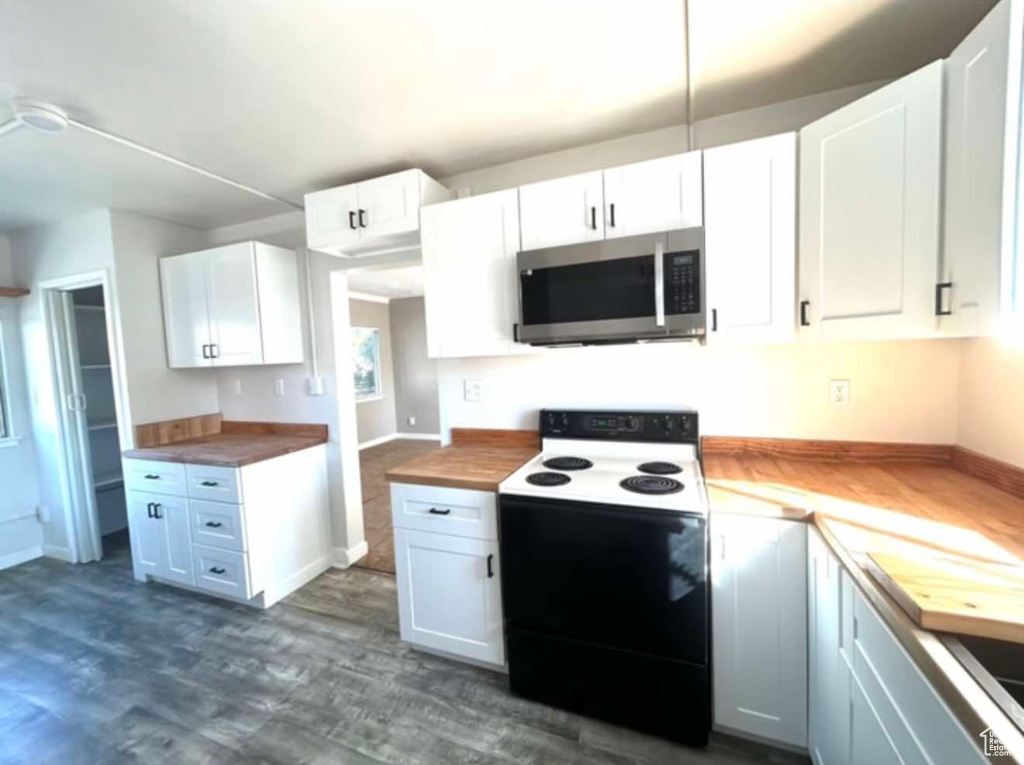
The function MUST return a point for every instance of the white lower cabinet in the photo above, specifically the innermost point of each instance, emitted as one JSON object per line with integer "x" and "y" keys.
{"x": 161, "y": 536}
{"x": 449, "y": 577}
{"x": 759, "y": 627}
{"x": 869, "y": 702}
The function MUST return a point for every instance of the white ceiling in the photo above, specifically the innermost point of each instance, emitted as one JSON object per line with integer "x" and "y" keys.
{"x": 291, "y": 97}
{"x": 393, "y": 283}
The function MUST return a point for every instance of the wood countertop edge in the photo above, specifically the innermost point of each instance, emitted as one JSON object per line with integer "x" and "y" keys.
{"x": 968, "y": 701}
{"x": 156, "y": 455}
{"x": 443, "y": 482}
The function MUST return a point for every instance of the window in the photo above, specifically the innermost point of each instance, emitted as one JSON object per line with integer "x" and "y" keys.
{"x": 366, "y": 362}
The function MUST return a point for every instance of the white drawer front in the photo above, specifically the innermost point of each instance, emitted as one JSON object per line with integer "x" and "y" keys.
{"x": 217, "y": 524}
{"x": 224, "y": 572}
{"x": 461, "y": 512}
{"x": 220, "y": 484}
{"x": 155, "y": 477}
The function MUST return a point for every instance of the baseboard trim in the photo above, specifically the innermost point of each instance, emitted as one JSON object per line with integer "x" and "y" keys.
{"x": 377, "y": 441}
{"x": 420, "y": 436}
{"x": 300, "y": 578}
{"x": 345, "y": 557}
{"x": 60, "y": 553}
{"x": 22, "y": 556}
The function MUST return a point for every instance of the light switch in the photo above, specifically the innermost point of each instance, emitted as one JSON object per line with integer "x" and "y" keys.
{"x": 412, "y": 420}
{"x": 473, "y": 390}
{"x": 236, "y": 386}
{"x": 278, "y": 387}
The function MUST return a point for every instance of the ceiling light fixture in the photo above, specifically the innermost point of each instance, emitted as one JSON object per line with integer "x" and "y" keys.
{"x": 35, "y": 114}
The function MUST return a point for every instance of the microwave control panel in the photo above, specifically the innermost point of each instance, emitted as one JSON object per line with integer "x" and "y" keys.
{"x": 682, "y": 282}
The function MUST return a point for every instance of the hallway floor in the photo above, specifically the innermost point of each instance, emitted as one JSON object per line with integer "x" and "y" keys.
{"x": 373, "y": 464}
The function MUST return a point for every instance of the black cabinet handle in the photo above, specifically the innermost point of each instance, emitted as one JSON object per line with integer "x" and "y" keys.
{"x": 152, "y": 476}
{"x": 352, "y": 220}
{"x": 214, "y": 524}
{"x": 362, "y": 218}
{"x": 490, "y": 566}
{"x": 435, "y": 511}
{"x": 216, "y": 570}
{"x": 593, "y": 218}
{"x": 213, "y": 351}
{"x": 156, "y": 510}
{"x": 939, "y": 310}
{"x": 804, "y": 322}
{"x": 611, "y": 215}
{"x": 714, "y": 319}
{"x": 206, "y": 351}
{"x": 209, "y": 483}
{"x": 149, "y": 510}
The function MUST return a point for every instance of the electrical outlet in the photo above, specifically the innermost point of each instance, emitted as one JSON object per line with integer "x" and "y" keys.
{"x": 316, "y": 386}
{"x": 236, "y": 386}
{"x": 278, "y": 387}
{"x": 839, "y": 393}
{"x": 412, "y": 420}
{"x": 473, "y": 390}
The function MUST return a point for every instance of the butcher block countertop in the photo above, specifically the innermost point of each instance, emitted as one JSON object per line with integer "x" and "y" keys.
{"x": 476, "y": 459}
{"x": 890, "y": 507}
{"x": 233, "y": 444}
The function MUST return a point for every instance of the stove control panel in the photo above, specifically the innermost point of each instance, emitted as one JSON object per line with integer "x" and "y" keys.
{"x": 678, "y": 426}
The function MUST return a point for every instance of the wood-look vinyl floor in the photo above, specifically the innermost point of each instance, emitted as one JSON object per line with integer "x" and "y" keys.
{"x": 96, "y": 668}
{"x": 373, "y": 464}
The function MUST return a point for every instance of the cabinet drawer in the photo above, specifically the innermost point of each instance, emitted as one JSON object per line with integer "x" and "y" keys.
{"x": 217, "y": 524}
{"x": 155, "y": 477}
{"x": 461, "y": 512}
{"x": 224, "y": 572}
{"x": 220, "y": 484}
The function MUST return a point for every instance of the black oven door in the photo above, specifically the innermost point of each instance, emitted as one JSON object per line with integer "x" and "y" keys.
{"x": 634, "y": 288}
{"x": 622, "y": 578}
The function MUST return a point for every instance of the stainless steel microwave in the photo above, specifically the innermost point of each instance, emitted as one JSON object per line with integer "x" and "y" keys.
{"x": 637, "y": 288}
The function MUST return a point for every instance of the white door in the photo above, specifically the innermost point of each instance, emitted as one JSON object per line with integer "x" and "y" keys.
{"x": 449, "y": 594}
{"x": 750, "y": 240}
{"x": 983, "y": 103}
{"x": 828, "y": 735}
{"x": 172, "y": 513}
{"x": 759, "y": 612}
{"x": 186, "y": 313}
{"x": 332, "y": 217}
{"x": 390, "y": 205}
{"x": 869, "y": 213}
{"x": 869, "y": 742}
{"x": 148, "y": 540}
{"x": 234, "y": 306}
{"x": 657, "y": 195}
{"x": 469, "y": 264}
{"x": 563, "y": 211}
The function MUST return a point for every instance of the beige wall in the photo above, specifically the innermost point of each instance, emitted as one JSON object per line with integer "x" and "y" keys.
{"x": 376, "y": 418}
{"x": 991, "y": 410}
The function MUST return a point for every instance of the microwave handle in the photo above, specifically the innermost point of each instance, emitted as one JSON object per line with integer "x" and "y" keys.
{"x": 659, "y": 284}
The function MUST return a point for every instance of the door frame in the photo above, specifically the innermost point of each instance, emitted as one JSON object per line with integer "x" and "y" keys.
{"x": 81, "y": 521}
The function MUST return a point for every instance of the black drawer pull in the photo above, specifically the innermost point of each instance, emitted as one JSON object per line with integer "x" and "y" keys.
{"x": 149, "y": 510}
{"x": 593, "y": 218}
{"x": 152, "y": 476}
{"x": 156, "y": 510}
{"x": 216, "y": 570}
{"x": 490, "y": 566}
{"x": 435, "y": 511}
{"x": 209, "y": 483}
{"x": 214, "y": 524}
{"x": 352, "y": 220}
{"x": 804, "y": 321}
{"x": 362, "y": 219}
{"x": 939, "y": 310}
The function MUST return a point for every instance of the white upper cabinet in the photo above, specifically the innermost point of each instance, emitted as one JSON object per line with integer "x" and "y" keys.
{"x": 563, "y": 211}
{"x": 759, "y": 626}
{"x": 469, "y": 265}
{"x": 750, "y": 240}
{"x": 983, "y": 91}
{"x": 236, "y": 305}
{"x": 375, "y": 215}
{"x": 658, "y": 195}
{"x": 870, "y": 195}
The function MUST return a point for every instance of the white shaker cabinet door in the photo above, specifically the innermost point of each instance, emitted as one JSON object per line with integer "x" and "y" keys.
{"x": 566, "y": 210}
{"x": 983, "y": 103}
{"x": 173, "y": 515}
{"x": 759, "y": 611}
{"x": 750, "y": 240}
{"x": 870, "y": 194}
{"x": 657, "y": 195}
{"x": 469, "y": 264}
{"x": 449, "y": 594}
{"x": 390, "y": 205}
{"x": 332, "y": 217}
{"x": 234, "y": 306}
{"x": 186, "y": 316}
{"x": 147, "y": 534}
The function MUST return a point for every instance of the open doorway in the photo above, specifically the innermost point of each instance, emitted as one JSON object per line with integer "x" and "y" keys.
{"x": 88, "y": 388}
{"x": 395, "y": 385}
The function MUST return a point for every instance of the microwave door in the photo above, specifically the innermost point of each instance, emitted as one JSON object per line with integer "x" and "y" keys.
{"x": 607, "y": 300}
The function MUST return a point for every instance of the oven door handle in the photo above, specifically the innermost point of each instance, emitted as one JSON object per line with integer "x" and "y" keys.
{"x": 659, "y": 284}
